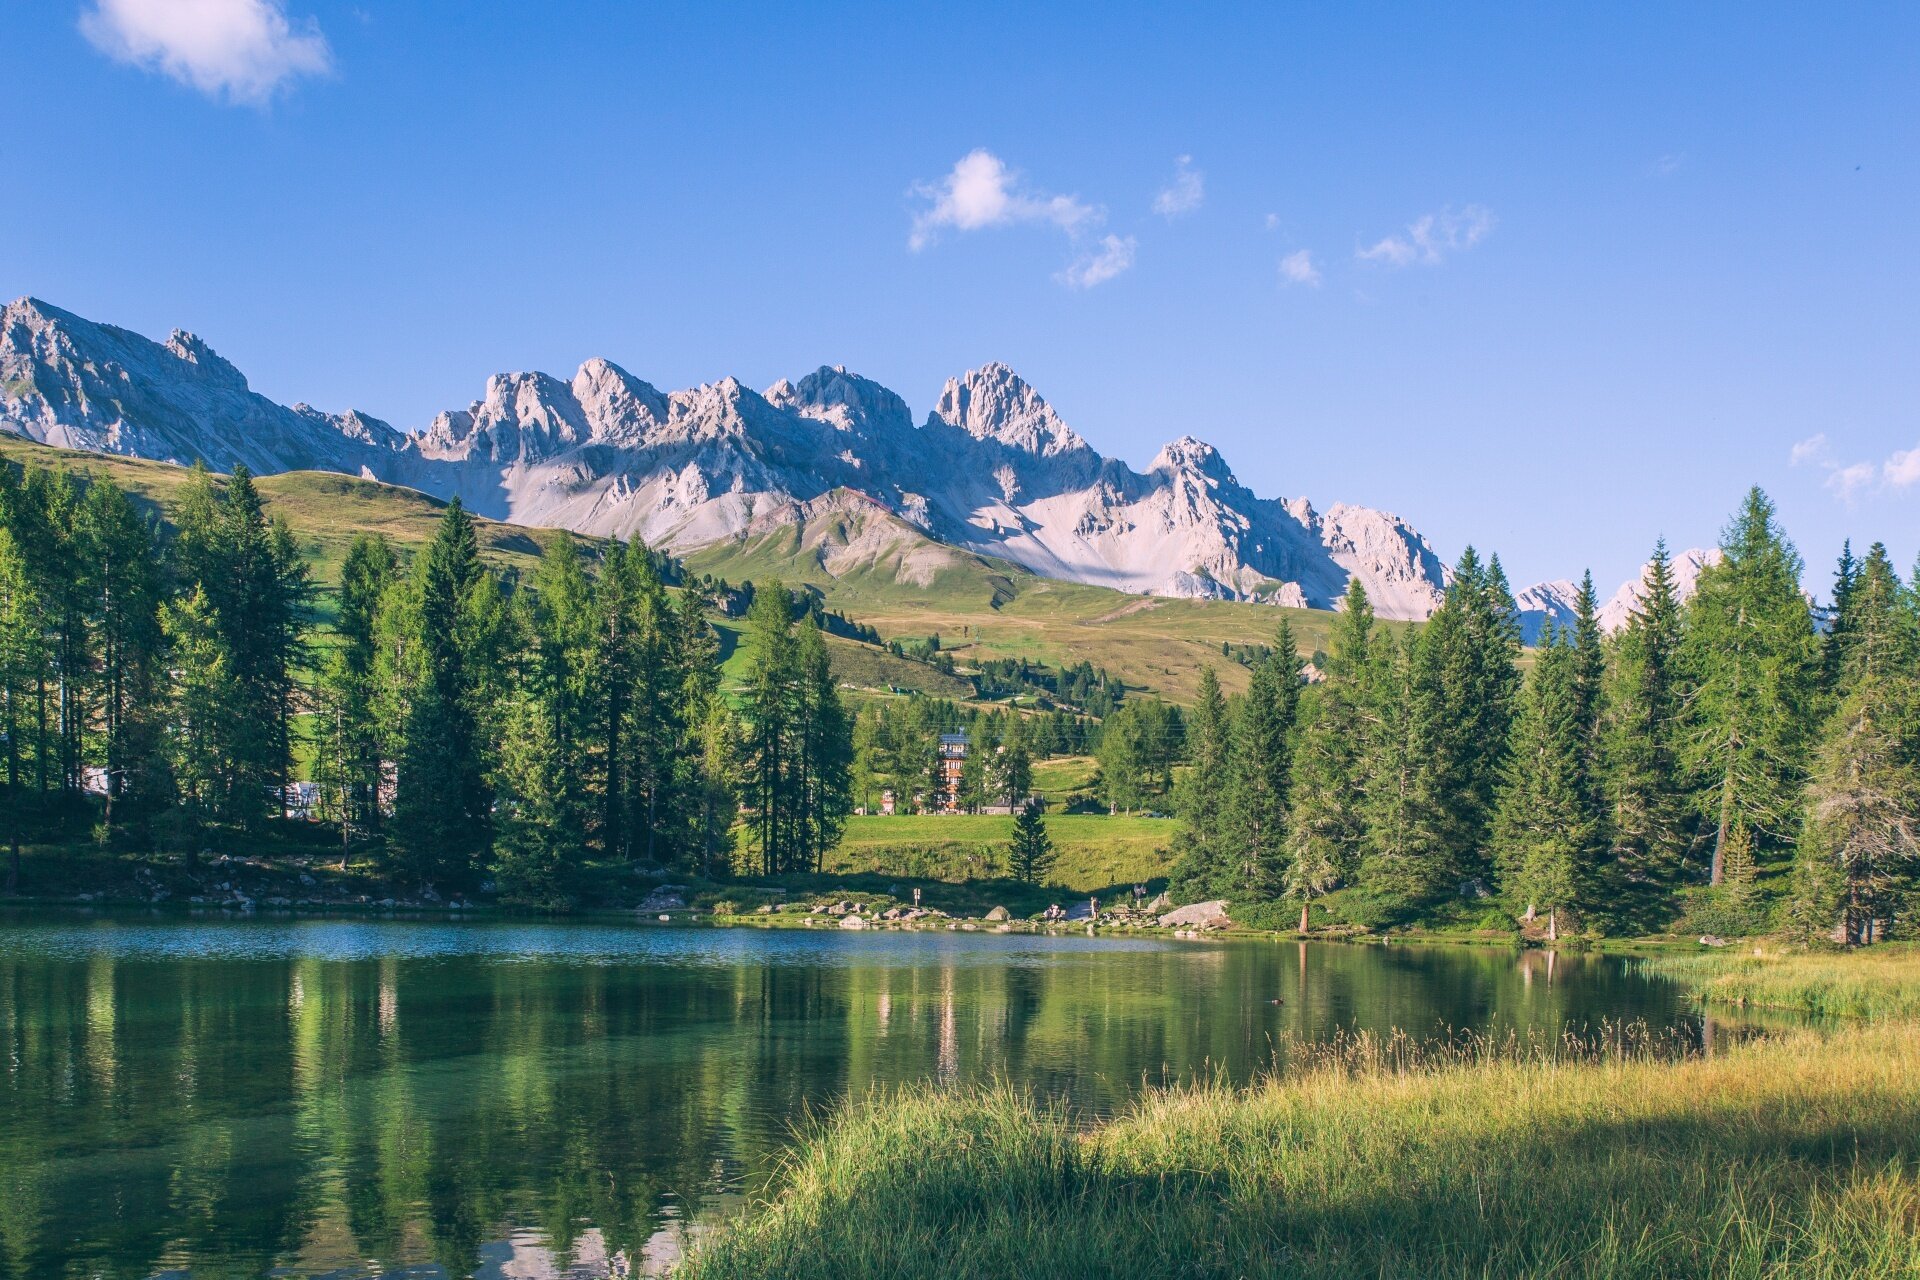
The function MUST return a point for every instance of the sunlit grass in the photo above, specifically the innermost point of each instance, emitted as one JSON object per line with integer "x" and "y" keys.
{"x": 1795, "y": 1157}
{"x": 1876, "y": 982}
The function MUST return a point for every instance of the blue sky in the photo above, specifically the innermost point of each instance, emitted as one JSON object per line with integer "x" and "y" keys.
{"x": 1570, "y": 280}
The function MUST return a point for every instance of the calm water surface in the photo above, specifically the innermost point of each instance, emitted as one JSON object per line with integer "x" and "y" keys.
{"x": 255, "y": 1098}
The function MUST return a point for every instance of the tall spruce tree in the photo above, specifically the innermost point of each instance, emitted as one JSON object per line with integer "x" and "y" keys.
{"x": 23, "y": 661}
{"x": 822, "y": 786}
{"x": 1412, "y": 832}
{"x": 349, "y": 691}
{"x": 1030, "y": 856}
{"x": 1545, "y": 835}
{"x": 770, "y": 745}
{"x": 1646, "y": 797}
{"x": 1203, "y": 798}
{"x": 1861, "y": 844}
{"x": 1326, "y": 828}
{"x": 126, "y": 591}
{"x": 1262, "y": 767}
{"x": 442, "y": 819}
{"x": 1750, "y": 656}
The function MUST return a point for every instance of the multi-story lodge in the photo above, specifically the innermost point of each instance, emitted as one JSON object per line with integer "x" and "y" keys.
{"x": 952, "y": 760}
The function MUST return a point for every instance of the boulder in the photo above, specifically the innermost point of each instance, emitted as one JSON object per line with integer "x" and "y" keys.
{"x": 999, "y": 914}
{"x": 852, "y": 922}
{"x": 1198, "y": 915}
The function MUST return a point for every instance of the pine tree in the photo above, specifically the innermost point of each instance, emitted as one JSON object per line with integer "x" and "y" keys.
{"x": 202, "y": 695}
{"x": 442, "y": 820}
{"x": 825, "y": 737}
{"x": 1326, "y": 828}
{"x": 1545, "y": 835}
{"x": 126, "y": 592}
{"x": 770, "y": 745}
{"x": 349, "y": 724}
{"x": 1465, "y": 682}
{"x": 1750, "y": 654}
{"x": 1031, "y": 855}
{"x": 720, "y": 745}
{"x": 1862, "y": 832}
{"x": 1645, "y": 794}
{"x": 23, "y": 660}
{"x": 1202, "y": 799}
{"x": 1262, "y": 763}
{"x": 1013, "y": 766}
{"x": 1409, "y": 852}
{"x": 542, "y": 828}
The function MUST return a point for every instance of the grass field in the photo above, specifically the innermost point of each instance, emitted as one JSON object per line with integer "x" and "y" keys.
{"x": 1096, "y": 852}
{"x": 1788, "y": 1158}
{"x": 876, "y": 568}
{"x": 324, "y": 510}
{"x": 1879, "y": 982}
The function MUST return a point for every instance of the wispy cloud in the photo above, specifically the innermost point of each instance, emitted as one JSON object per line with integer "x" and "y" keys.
{"x": 1273, "y": 222}
{"x": 1813, "y": 449}
{"x": 982, "y": 192}
{"x": 1297, "y": 268}
{"x": 1184, "y": 194}
{"x": 1666, "y": 165}
{"x": 1900, "y": 470}
{"x": 1113, "y": 255}
{"x": 1430, "y": 239}
{"x": 241, "y": 51}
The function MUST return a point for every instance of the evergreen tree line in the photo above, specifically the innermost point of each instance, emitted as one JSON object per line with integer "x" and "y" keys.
{"x": 1743, "y": 742}
{"x": 462, "y": 725}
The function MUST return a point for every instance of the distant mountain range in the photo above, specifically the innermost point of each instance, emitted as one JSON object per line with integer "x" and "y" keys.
{"x": 992, "y": 470}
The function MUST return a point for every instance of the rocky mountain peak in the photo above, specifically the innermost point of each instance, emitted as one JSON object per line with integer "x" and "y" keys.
{"x": 844, "y": 400}
{"x": 994, "y": 403}
{"x": 1193, "y": 456}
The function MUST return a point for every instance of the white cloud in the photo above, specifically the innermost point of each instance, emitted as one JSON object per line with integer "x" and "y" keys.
{"x": 1666, "y": 165}
{"x": 1273, "y": 222}
{"x": 1812, "y": 449}
{"x": 1430, "y": 239}
{"x": 240, "y": 50}
{"x": 1297, "y": 268}
{"x": 1849, "y": 480}
{"x": 1184, "y": 194}
{"x": 1114, "y": 255}
{"x": 982, "y": 192}
{"x": 1902, "y": 468}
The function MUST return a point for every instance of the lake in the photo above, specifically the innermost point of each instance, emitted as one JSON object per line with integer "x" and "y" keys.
{"x": 313, "y": 1098}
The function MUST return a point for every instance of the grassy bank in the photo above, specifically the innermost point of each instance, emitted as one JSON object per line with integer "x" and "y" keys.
{"x": 1794, "y": 1157}
{"x": 1880, "y": 982}
{"x": 1095, "y": 851}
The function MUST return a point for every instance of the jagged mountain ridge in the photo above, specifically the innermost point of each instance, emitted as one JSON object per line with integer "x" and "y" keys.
{"x": 1558, "y": 601}
{"x": 993, "y": 469}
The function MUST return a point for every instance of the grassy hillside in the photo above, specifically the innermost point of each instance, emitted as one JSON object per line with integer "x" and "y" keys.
{"x": 324, "y": 510}
{"x": 870, "y": 566}
{"x": 875, "y": 567}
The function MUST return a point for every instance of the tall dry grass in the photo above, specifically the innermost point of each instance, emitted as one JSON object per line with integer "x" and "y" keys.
{"x": 1792, "y": 1157}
